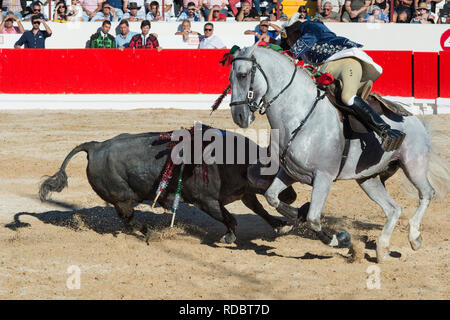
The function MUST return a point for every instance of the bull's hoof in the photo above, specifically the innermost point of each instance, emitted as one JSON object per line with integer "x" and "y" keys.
{"x": 417, "y": 243}
{"x": 228, "y": 238}
{"x": 284, "y": 229}
{"x": 303, "y": 212}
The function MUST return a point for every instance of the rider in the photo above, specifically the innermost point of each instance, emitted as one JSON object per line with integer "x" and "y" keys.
{"x": 315, "y": 44}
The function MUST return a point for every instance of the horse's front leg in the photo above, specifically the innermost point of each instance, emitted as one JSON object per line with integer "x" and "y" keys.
{"x": 280, "y": 183}
{"x": 321, "y": 187}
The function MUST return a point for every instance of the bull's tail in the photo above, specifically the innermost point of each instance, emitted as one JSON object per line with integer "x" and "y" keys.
{"x": 58, "y": 181}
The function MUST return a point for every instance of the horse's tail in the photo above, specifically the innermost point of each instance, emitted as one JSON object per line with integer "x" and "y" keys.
{"x": 58, "y": 181}
{"x": 438, "y": 173}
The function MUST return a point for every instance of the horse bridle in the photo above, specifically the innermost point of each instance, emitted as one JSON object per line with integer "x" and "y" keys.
{"x": 250, "y": 99}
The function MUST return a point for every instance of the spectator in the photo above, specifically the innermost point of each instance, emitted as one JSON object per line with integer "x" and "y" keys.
{"x": 154, "y": 13}
{"x": 423, "y": 15}
{"x": 337, "y": 6}
{"x": 34, "y": 38}
{"x": 36, "y": 11}
{"x": 262, "y": 33}
{"x": 140, "y": 3}
{"x": 232, "y": 5}
{"x": 90, "y": 8}
{"x": 7, "y": 27}
{"x": 124, "y": 37}
{"x": 134, "y": 13}
{"x": 375, "y": 15}
{"x": 209, "y": 4}
{"x": 186, "y": 30}
{"x": 197, "y": 3}
{"x": 193, "y": 13}
{"x": 247, "y": 13}
{"x": 301, "y": 14}
{"x": 210, "y": 40}
{"x": 444, "y": 14}
{"x": 107, "y": 13}
{"x": 102, "y": 38}
{"x": 168, "y": 4}
{"x": 118, "y": 8}
{"x": 383, "y": 5}
{"x": 15, "y": 7}
{"x": 145, "y": 40}
{"x": 272, "y": 7}
{"x": 403, "y": 11}
{"x": 273, "y": 16}
{"x": 216, "y": 14}
{"x": 75, "y": 11}
{"x": 355, "y": 10}
{"x": 327, "y": 14}
{"x": 432, "y": 5}
{"x": 60, "y": 13}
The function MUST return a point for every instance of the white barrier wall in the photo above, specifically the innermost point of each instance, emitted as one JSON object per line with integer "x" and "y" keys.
{"x": 415, "y": 37}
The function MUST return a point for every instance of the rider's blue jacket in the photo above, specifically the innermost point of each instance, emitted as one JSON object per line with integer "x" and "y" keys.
{"x": 317, "y": 43}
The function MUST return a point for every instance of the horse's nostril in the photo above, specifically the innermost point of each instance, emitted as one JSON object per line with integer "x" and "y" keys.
{"x": 241, "y": 118}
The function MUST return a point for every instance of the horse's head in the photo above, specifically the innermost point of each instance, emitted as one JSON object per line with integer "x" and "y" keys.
{"x": 248, "y": 86}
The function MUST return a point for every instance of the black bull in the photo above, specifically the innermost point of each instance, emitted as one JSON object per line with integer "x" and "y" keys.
{"x": 127, "y": 169}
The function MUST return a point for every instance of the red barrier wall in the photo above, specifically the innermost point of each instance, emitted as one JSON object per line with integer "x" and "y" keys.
{"x": 175, "y": 71}
{"x": 444, "y": 74}
{"x": 425, "y": 75}
{"x": 397, "y": 72}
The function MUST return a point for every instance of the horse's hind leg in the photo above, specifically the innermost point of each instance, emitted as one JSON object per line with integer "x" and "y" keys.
{"x": 417, "y": 174}
{"x": 376, "y": 191}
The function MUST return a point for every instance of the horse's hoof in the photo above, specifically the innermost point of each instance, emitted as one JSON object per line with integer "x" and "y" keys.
{"x": 228, "y": 238}
{"x": 344, "y": 239}
{"x": 284, "y": 229}
{"x": 417, "y": 243}
{"x": 382, "y": 253}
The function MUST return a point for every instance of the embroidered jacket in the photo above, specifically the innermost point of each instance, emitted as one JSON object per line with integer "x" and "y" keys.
{"x": 97, "y": 41}
{"x": 136, "y": 42}
{"x": 317, "y": 43}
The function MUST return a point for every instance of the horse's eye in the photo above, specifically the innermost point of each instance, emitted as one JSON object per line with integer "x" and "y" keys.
{"x": 241, "y": 76}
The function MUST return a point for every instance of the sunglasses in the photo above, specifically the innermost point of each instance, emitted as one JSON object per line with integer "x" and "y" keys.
{"x": 36, "y": 22}
{"x": 265, "y": 25}
{"x": 208, "y": 29}
{"x": 36, "y": 10}
{"x": 191, "y": 9}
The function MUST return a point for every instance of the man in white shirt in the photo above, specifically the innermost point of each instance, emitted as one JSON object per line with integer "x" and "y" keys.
{"x": 209, "y": 40}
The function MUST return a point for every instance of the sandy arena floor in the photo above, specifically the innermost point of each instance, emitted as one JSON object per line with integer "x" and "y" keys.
{"x": 40, "y": 241}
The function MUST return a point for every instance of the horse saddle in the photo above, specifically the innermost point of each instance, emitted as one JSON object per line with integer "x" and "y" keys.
{"x": 376, "y": 101}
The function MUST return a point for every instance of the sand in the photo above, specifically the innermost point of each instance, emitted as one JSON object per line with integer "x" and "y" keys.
{"x": 47, "y": 247}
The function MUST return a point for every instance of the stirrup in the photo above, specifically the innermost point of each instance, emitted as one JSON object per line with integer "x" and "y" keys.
{"x": 392, "y": 139}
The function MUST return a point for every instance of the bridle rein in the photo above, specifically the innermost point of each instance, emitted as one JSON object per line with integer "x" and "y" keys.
{"x": 250, "y": 99}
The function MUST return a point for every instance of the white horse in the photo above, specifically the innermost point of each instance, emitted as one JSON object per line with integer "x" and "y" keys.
{"x": 311, "y": 143}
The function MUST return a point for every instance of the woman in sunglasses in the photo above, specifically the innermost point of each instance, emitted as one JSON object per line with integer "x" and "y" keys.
{"x": 262, "y": 32}
{"x": 60, "y": 14}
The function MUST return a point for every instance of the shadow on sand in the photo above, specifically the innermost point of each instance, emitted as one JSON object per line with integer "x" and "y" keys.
{"x": 190, "y": 221}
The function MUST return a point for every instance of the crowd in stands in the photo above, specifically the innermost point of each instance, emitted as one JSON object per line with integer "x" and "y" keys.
{"x": 185, "y": 11}
{"x": 371, "y": 11}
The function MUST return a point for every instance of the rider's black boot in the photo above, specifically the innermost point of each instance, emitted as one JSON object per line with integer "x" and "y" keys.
{"x": 391, "y": 138}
